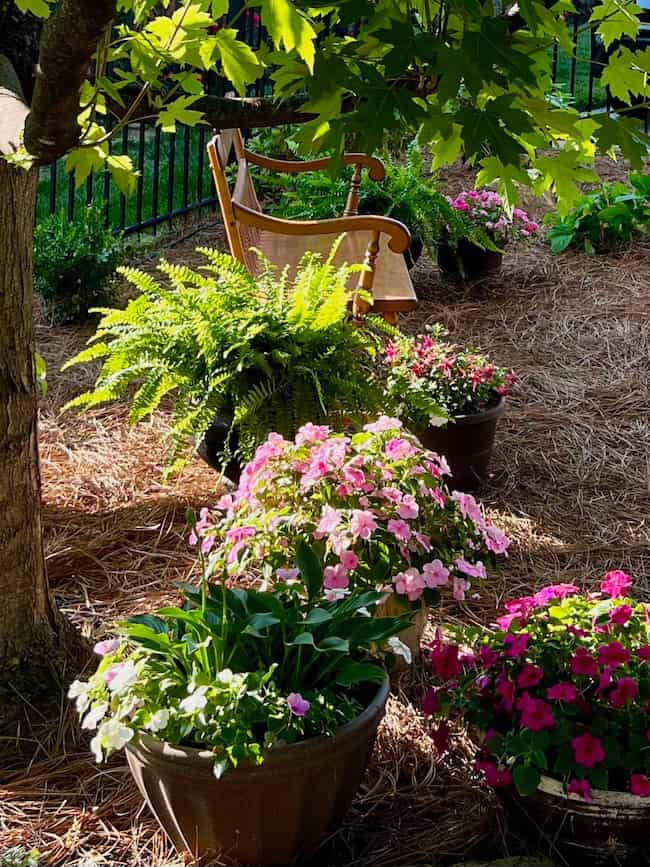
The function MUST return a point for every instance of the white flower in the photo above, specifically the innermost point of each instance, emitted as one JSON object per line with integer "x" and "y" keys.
{"x": 158, "y": 720}
{"x": 121, "y": 676}
{"x": 79, "y": 691}
{"x": 114, "y": 735}
{"x": 219, "y": 768}
{"x": 195, "y": 700}
{"x": 400, "y": 649}
{"x": 94, "y": 716}
{"x": 363, "y": 611}
{"x": 96, "y": 747}
{"x": 225, "y": 676}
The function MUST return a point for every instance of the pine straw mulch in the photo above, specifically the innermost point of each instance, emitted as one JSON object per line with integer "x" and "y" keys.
{"x": 570, "y": 482}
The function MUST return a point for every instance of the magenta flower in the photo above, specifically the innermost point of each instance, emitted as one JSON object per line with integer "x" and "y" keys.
{"x": 529, "y": 676}
{"x": 109, "y": 645}
{"x": 311, "y": 433}
{"x": 408, "y": 508}
{"x": 431, "y": 701}
{"x": 625, "y": 691}
{"x": 621, "y": 614}
{"x": 474, "y": 570}
{"x": 554, "y": 591}
{"x": 536, "y": 714}
{"x": 335, "y": 578}
{"x": 444, "y": 658}
{"x": 494, "y": 776}
{"x": 516, "y": 644}
{"x": 349, "y": 560}
{"x": 615, "y": 583}
{"x": 583, "y": 663}
{"x": 640, "y": 785}
{"x": 613, "y": 654}
{"x": 440, "y": 736}
{"x": 297, "y": 704}
{"x": 506, "y": 691}
{"x": 355, "y": 477}
{"x": 363, "y": 523}
{"x": 488, "y": 655}
{"x": 582, "y": 788}
{"x": 563, "y": 692}
{"x": 644, "y": 653}
{"x": 588, "y": 750}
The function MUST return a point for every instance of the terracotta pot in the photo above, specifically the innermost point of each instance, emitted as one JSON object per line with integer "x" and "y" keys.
{"x": 467, "y": 443}
{"x": 613, "y": 829}
{"x": 269, "y": 814}
{"x": 467, "y": 261}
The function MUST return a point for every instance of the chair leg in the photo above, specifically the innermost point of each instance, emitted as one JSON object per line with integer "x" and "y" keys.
{"x": 392, "y": 317}
{"x": 367, "y": 276}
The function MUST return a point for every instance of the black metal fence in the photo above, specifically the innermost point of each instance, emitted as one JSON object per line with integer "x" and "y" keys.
{"x": 173, "y": 173}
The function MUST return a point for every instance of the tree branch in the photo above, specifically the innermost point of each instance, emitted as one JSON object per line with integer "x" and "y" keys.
{"x": 13, "y": 109}
{"x": 69, "y": 40}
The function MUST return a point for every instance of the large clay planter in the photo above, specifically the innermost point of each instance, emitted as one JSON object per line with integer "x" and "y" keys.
{"x": 467, "y": 261}
{"x": 613, "y": 829}
{"x": 269, "y": 814}
{"x": 211, "y": 446}
{"x": 467, "y": 443}
{"x": 412, "y": 635}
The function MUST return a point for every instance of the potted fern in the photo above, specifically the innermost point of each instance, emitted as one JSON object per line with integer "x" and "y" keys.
{"x": 258, "y": 354}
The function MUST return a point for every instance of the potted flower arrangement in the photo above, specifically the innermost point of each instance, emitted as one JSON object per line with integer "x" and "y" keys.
{"x": 373, "y": 507}
{"x": 237, "y": 707}
{"x": 463, "y": 258}
{"x": 452, "y": 397}
{"x": 235, "y": 355}
{"x": 560, "y": 694}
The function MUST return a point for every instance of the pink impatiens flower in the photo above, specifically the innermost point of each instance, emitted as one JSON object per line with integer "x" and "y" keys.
{"x": 469, "y": 508}
{"x": 460, "y": 588}
{"x": 431, "y": 701}
{"x": 582, "y": 788}
{"x": 621, "y": 614}
{"x": 644, "y": 653}
{"x": 298, "y": 705}
{"x": 109, "y": 645}
{"x": 408, "y": 508}
{"x": 506, "y": 691}
{"x": 496, "y": 540}
{"x": 444, "y": 659}
{"x": 329, "y": 520}
{"x": 587, "y": 750}
{"x": 349, "y": 560}
{"x": 311, "y": 433}
{"x": 494, "y": 776}
{"x": 399, "y": 528}
{"x": 409, "y": 583}
{"x": 625, "y": 691}
{"x": 363, "y": 523}
{"x": 554, "y": 591}
{"x": 383, "y": 424}
{"x": 435, "y": 574}
{"x": 335, "y": 578}
{"x": 615, "y": 583}
{"x": 516, "y": 644}
{"x": 398, "y": 449}
{"x": 474, "y": 570}
{"x": 529, "y": 676}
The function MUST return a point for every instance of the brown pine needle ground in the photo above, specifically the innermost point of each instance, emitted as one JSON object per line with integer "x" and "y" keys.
{"x": 570, "y": 482}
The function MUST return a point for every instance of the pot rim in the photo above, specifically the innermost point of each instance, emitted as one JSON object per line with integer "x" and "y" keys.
{"x": 601, "y": 798}
{"x": 492, "y": 412}
{"x": 283, "y": 755}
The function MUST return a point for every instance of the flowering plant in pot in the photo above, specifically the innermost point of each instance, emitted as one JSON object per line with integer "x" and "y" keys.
{"x": 468, "y": 257}
{"x": 236, "y": 706}
{"x": 372, "y": 507}
{"x": 559, "y": 693}
{"x": 451, "y": 396}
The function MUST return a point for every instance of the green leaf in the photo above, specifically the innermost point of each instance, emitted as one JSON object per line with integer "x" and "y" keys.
{"x": 360, "y": 672}
{"x": 178, "y": 112}
{"x": 526, "y": 779}
{"x": 617, "y": 18}
{"x": 41, "y": 372}
{"x": 84, "y": 160}
{"x": 123, "y": 173}
{"x": 290, "y": 28}
{"x": 40, "y": 8}
{"x": 311, "y": 568}
{"x": 506, "y": 176}
{"x": 334, "y": 643}
{"x": 317, "y": 616}
{"x": 240, "y": 64}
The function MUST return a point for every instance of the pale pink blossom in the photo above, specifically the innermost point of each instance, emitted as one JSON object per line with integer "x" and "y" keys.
{"x": 383, "y": 423}
{"x": 409, "y": 583}
{"x": 330, "y": 519}
{"x": 399, "y": 528}
{"x": 398, "y": 448}
{"x": 336, "y": 577}
{"x": 461, "y": 586}
{"x": 474, "y": 570}
{"x": 435, "y": 574}
{"x": 408, "y": 508}
{"x": 311, "y": 433}
{"x": 363, "y": 523}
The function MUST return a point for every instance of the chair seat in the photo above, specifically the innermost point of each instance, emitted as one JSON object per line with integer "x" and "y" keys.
{"x": 392, "y": 288}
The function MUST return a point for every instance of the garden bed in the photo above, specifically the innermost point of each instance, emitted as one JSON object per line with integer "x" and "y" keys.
{"x": 570, "y": 483}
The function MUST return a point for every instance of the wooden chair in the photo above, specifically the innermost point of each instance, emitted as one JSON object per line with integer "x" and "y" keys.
{"x": 379, "y": 242}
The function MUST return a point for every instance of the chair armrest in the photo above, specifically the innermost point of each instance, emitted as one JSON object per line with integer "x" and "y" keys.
{"x": 375, "y": 167}
{"x": 400, "y": 237}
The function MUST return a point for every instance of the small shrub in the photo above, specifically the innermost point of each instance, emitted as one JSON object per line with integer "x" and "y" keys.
{"x": 74, "y": 263}
{"x": 19, "y": 856}
{"x": 603, "y": 221}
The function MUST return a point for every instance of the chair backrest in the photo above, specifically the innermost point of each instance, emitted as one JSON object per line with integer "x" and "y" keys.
{"x": 240, "y": 237}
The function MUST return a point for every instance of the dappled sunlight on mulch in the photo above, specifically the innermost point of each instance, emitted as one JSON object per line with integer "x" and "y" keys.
{"x": 570, "y": 482}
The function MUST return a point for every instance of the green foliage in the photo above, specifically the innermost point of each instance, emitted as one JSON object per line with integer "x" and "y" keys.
{"x": 74, "y": 263}
{"x": 400, "y": 69}
{"x": 605, "y": 220}
{"x": 19, "y": 856}
{"x": 237, "y": 671}
{"x": 269, "y": 352}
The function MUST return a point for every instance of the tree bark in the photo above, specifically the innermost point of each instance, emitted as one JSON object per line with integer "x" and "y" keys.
{"x": 27, "y": 621}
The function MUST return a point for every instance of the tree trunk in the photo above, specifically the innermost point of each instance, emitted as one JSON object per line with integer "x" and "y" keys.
{"x": 28, "y": 623}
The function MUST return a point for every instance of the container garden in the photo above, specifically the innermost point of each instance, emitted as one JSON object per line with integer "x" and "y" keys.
{"x": 267, "y": 814}
{"x": 610, "y": 829}
{"x": 467, "y": 262}
{"x": 467, "y": 442}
